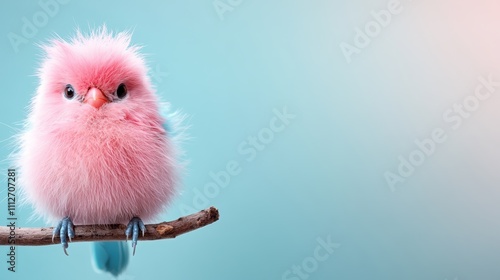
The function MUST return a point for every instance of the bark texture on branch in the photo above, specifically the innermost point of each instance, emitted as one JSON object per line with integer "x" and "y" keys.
{"x": 43, "y": 236}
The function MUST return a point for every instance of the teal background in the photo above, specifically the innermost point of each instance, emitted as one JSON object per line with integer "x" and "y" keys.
{"x": 323, "y": 175}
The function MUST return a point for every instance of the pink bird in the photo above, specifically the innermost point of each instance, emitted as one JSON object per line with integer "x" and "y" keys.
{"x": 96, "y": 149}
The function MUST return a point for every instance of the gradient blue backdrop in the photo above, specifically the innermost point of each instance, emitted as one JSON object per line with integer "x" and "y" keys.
{"x": 323, "y": 175}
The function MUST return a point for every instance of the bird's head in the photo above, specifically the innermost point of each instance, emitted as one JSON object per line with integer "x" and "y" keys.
{"x": 95, "y": 78}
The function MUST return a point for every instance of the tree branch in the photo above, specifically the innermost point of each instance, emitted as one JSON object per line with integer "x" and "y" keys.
{"x": 43, "y": 236}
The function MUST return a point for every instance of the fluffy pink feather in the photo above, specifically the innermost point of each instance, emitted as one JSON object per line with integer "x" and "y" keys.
{"x": 103, "y": 165}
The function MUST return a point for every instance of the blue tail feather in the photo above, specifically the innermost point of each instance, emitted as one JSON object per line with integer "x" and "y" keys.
{"x": 110, "y": 256}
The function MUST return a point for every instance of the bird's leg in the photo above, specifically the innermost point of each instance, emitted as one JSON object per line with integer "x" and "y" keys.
{"x": 133, "y": 227}
{"x": 65, "y": 230}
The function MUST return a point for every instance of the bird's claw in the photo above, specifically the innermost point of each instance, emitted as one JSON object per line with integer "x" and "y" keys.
{"x": 133, "y": 227}
{"x": 65, "y": 230}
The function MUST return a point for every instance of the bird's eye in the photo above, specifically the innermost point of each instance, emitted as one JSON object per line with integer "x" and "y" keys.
{"x": 69, "y": 92}
{"x": 121, "y": 91}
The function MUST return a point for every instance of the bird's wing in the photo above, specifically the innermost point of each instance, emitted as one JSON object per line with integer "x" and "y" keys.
{"x": 172, "y": 121}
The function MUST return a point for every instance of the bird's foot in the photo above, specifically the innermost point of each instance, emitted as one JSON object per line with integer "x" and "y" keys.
{"x": 133, "y": 227}
{"x": 65, "y": 230}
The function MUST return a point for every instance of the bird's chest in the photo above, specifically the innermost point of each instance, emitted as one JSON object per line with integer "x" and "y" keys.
{"x": 102, "y": 175}
{"x": 103, "y": 159}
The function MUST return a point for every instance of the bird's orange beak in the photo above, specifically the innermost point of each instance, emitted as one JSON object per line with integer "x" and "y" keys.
{"x": 96, "y": 98}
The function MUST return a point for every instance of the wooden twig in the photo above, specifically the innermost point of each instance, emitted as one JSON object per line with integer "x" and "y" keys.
{"x": 43, "y": 236}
